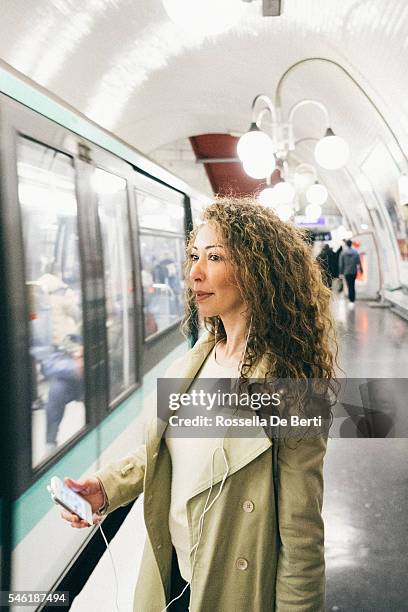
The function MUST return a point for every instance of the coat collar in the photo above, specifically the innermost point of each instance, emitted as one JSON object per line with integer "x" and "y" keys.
{"x": 192, "y": 363}
{"x": 238, "y": 451}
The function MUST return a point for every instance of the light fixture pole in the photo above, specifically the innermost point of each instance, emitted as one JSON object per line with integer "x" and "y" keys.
{"x": 255, "y": 146}
{"x": 331, "y": 152}
{"x": 278, "y": 94}
{"x": 257, "y": 116}
{"x": 296, "y": 107}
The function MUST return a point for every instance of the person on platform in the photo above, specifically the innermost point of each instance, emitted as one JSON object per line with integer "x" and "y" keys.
{"x": 327, "y": 262}
{"x": 234, "y": 523}
{"x": 349, "y": 265}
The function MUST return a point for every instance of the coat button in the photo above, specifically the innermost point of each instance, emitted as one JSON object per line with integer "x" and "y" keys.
{"x": 241, "y": 563}
{"x": 159, "y": 546}
{"x": 248, "y": 506}
{"x": 155, "y": 455}
{"x": 127, "y": 468}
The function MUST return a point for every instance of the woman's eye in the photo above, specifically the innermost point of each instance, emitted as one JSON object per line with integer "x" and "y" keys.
{"x": 211, "y": 257}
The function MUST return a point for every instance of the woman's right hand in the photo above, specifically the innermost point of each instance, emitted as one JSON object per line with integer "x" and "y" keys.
{"x": 91, "y": 490}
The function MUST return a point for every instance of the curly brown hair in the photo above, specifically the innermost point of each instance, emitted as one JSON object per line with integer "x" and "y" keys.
{"x": 281, "y": 285}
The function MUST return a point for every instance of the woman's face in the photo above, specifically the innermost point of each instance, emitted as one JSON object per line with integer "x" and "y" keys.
{"x": 212, "y": 277}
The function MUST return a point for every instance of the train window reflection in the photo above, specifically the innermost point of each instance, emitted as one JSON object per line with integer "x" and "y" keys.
{"x": 158, "y": 214}
{"x": 197, "y": 207}
{"x": 161, "y": 223}
{"x": 162, "y": 263}
{"x": 46, "y": 188}
{"x": 119, "y": 289}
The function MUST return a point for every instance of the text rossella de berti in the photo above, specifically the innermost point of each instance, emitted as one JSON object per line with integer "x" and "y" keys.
{"x": 211, "y": 401}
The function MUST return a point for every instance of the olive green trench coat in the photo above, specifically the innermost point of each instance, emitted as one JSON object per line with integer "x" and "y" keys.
{"x": 240, "y": 564}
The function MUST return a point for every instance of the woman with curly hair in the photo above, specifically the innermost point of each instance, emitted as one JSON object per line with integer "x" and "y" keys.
{"x": 234, "y": 524}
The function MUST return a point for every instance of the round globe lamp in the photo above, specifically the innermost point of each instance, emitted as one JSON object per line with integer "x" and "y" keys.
{"x": 284, "y": 212}
{"x": 332, "y": 152}
{"x": 313, "y": 212}
{"x": 255, "y": 145}
{"x": 265, "y": 197}
{"x": 317, "y": 194}
{"x": 259, "y": 169}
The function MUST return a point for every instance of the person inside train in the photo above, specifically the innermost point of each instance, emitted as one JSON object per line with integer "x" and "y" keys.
{"x": 173, "y": 281}
{"x": 227, "y": 528}
{"x": 165, "y": 271}
{"x": 349, "y": 265}
{"x": 63, "y": 368}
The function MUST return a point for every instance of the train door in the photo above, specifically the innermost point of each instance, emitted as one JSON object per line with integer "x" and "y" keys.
{"x": 54, "y": 301}
{"x": 110, "y": 184}
{"x": 6, "y": 396}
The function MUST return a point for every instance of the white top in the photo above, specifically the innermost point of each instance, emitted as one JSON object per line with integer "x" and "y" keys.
{"x": 190, "y": 457}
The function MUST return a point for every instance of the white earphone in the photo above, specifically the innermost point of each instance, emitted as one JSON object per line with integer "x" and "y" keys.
{"x": 201, "y": 519}
{"x": 206, "y": 509}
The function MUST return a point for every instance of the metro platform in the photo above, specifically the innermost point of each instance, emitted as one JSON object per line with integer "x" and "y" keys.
{"x": 364, "y": 501}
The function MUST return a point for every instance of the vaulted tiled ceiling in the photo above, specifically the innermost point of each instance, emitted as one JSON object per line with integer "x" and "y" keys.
{"x": 127, "y": 67}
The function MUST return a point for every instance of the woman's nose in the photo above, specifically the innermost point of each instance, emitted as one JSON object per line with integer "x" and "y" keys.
{"x": 197, "y": 271}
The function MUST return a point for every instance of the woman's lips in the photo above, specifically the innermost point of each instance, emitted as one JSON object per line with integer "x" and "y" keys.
{"x": 200, "y": 297}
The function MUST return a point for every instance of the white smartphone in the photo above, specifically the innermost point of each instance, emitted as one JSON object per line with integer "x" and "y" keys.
{"x": 69, "y": 500}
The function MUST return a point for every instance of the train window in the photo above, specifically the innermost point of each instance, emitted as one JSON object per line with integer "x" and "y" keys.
{"x": 197, "y": 207}
{"x": 159, "y": 214}
{"x": 119, "y": 287}
{"x": 162, "y": 257}
{"x": 46, "y": 189}
{"x": 162, "y": 280}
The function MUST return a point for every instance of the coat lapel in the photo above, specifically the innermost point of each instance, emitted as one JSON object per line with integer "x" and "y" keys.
{"x": 239, "y": 451}
{"x": 187, "y": 371}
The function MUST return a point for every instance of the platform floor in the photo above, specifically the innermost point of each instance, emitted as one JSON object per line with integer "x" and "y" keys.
{"x": 366, "y": 493}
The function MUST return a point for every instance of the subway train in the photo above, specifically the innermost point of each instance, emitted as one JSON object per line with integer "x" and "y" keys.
{"x": 119, "y": 121}
{"x": 93, "y": 238}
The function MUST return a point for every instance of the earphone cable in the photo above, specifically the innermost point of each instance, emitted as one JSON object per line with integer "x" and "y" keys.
{"x": 114, "y": 569}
